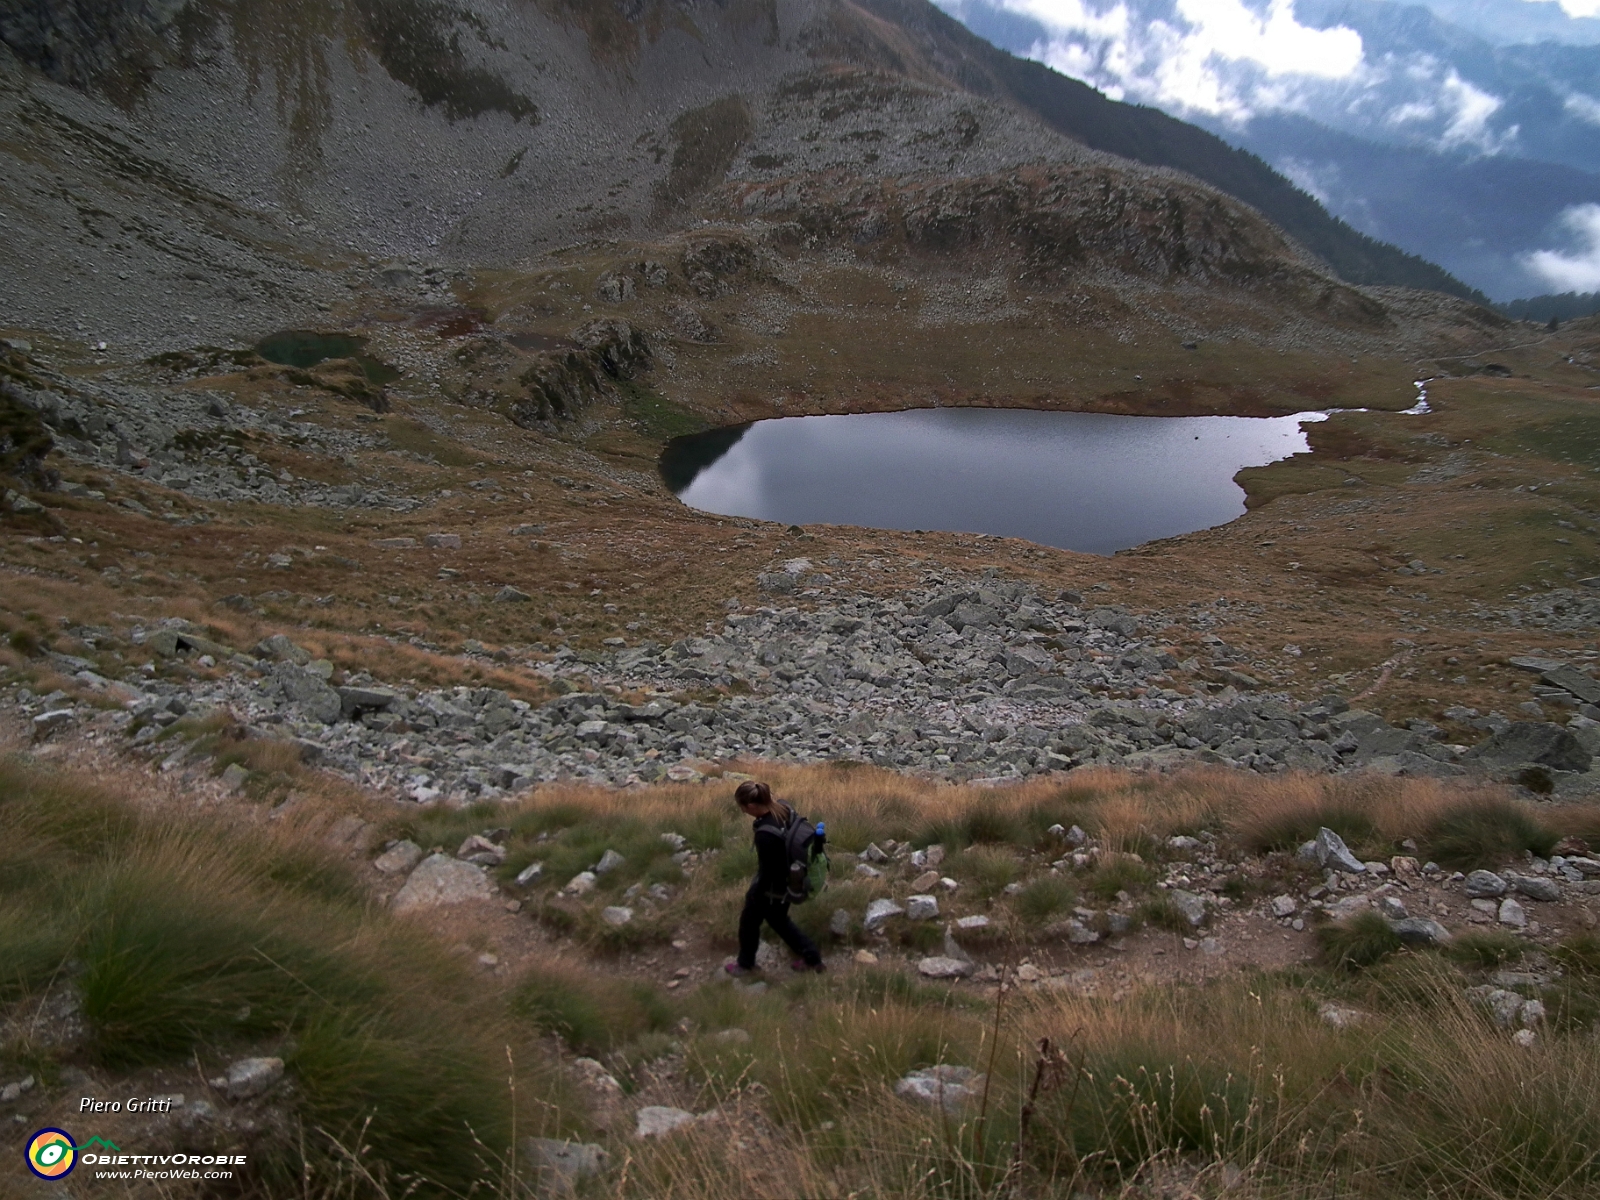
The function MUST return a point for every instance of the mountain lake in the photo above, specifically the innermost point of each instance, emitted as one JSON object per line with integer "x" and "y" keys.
{"x": 1092, "y": 482}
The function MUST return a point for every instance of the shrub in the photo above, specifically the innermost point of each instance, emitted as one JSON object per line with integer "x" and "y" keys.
{"x": 1041, "y": 898}
{"x": 1118, "y": 874}
{"x": 1485, "y": 832}
{"x": 1483, "y": 948}
{"x": 1291, "y": 823}
{"x": 1579, "y": 953}
{"x": 1359, "y": 942}
{"x": 988, "y": 868}
{"x": 1161, "y": 912}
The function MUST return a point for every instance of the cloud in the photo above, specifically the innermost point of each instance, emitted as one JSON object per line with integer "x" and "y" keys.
{"x": 1584, "y": 107}
{"x": 1581, "y": 8}
{"x": 1576, "y": 270}
{"x": 1460, "y": 110}
{"x": 1208, "y": 56}
{"x": 1232, "y": 60}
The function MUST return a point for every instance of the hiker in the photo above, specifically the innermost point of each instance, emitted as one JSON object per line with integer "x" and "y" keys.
{"x": 767, "y": 898}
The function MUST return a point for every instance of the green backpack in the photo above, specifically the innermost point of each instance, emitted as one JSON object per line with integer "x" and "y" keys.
{"x": 808, "y": 858}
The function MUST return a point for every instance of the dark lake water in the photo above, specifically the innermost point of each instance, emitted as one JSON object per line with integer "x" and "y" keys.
{"x": 1081, "y": 481}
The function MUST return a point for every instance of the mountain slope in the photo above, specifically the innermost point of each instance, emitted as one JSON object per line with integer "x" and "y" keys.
{"x": 1150, "y": 136}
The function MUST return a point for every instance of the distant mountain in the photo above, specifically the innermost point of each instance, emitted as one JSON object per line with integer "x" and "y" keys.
{"x": 1439, "y": 131}
{"x": 1479, "y": 218}
{"x": 1510, "y": 22}
{"x": 1547, "y": 308}
{"x": 1150, "y": 136}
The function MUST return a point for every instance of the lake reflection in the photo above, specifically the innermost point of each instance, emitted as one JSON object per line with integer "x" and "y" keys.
{"x": 1081, "y": 481}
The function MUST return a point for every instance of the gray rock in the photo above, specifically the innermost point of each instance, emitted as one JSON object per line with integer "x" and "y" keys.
{"x": 921, "y": 908}
{"x": 654, "y": 1120}
{"x": 1420, "y": 931}
{"x": 972, "y": 923}
{"x": 1575, "y": 681}
{"x": 249, "y": 1077}
{"x": 47, "y": 723}
{"x": 234, "y": 776}
{"x": 480, "y": 850}
{"x": 11, "y": 1092}
{"x": 562, "y": 1164}
{"x": 1191, "y": 905}
{"x": 1502, "y": 1006}
{"x": 529, "y": 874}
{"x": 353, "y": 701}
{"x": 609, "y": 861}
{"x": 873, "y": 854}
{"x": 841, "y": 922}
{"x": 1341, "y": 1017}
{"x": 399, "y": 858}
{"x": 442, "y": 541}
{"x": 944, "y": 967}
{"x": 1332, "y": 852}
{"x": 952, "y": 948}
{"x": 1285, "y": 906}
{"x": 878, "y": 913}
{"x": 580, "y": 884}
{"x": 440, "y": 880}
{"x": 616, "y": 915}
{"x": 511, "y": 595}
{"x": 279, "y": 646}
{"x": 308, "y": 693}
{"x": 1485, "y": 884}
{"x": 1536, "y": 887}
{"x": 1538, "y": 742}
{"x": 1513, "y": 914}
{"x": 945, "y": 1086}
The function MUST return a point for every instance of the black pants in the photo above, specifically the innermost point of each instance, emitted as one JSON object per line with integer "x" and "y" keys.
{"x": 758, "y": 907}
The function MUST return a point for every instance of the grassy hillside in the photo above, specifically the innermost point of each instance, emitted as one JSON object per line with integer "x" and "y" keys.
{"x": 142, "y": 939}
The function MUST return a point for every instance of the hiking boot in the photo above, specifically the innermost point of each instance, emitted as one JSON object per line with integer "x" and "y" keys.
{"x": 734, "y": 969}
{"x": 801, "y": 964}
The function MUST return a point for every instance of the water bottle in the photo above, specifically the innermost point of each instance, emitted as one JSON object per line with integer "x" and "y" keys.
{"x": 822, "y": 834}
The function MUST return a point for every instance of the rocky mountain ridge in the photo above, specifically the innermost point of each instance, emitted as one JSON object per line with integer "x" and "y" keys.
{"x": 229, "y": 166}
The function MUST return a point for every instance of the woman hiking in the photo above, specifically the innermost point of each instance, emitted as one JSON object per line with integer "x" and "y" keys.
{"x": 767, "y": 898}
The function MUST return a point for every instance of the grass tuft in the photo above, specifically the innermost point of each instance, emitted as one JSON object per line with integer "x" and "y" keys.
{"x": 1361, "y": 941}
{"x": 1483, "y": 948}
{"x": 1486, "y": 832}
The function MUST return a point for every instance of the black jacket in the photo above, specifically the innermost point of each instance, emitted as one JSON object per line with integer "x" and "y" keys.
{"x": 772, "y": 857}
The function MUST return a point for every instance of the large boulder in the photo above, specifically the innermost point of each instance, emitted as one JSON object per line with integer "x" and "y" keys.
{"x": 1538, "y": 742}
{"x": 440, "y": 880}
{"x": 309, "y": 693}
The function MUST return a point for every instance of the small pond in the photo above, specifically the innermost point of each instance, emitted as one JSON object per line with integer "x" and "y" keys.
{"x": 1082, "y": 481}
{"x": 306, "y": 348}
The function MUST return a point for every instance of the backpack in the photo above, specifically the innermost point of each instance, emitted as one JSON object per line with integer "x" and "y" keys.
{"x": 808, "y": 858}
